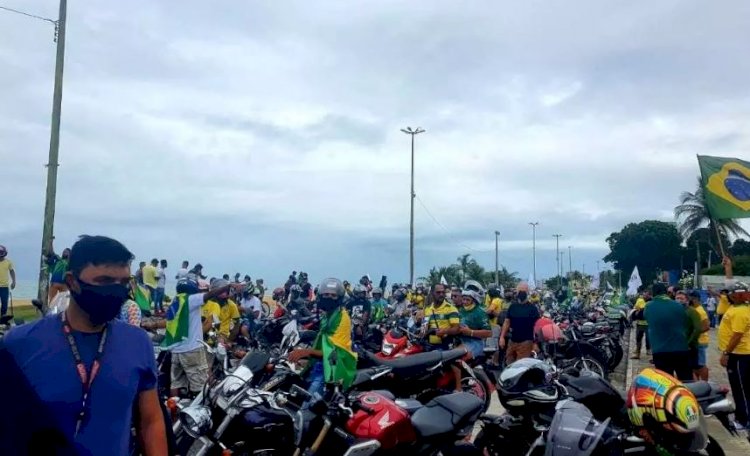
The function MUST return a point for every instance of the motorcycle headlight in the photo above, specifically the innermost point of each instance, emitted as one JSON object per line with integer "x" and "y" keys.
{"x": 196, "y": 420}
{"x": 387, "y": 349}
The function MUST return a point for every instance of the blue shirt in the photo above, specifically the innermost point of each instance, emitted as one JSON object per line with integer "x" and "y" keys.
{"x": 128, "y": 368}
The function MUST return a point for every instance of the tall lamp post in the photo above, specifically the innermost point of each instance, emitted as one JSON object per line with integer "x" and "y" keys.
{"x": 413, "y": 133}
{"x": 557, "y": 257}
{"x": 533, "y": 247}
{"x": 570, "y": 259}
{"x": 497, "y": 264}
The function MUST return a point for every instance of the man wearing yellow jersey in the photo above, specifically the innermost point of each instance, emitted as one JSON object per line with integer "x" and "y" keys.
{"x": 150, "y": 279}
{"x": 734, "y": 343}
{"x": 7, "y": 279}
{"x": 641, "y": 324}
{"x": 700, "y": 369}
{"x": 226, "y": 309}
{"x": 441, "y": 318}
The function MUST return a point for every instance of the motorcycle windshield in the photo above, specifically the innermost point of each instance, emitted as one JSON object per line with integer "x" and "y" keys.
{"x": 574, "y": 431}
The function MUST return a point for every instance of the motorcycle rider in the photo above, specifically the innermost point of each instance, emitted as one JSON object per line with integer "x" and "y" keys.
{"x": 226, "y": 308}
{"x": 359, "y": 309}
{"x": 442, "y": 318}
{"x": 333, "y": 346}
{"x": 297, "y": 301}
{"x": 378, "y": 304}
{"x": 400, "y": 307}
{"x": 419, "y": 297}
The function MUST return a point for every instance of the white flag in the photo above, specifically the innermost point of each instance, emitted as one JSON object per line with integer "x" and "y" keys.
{"x": 442, "y": 280}
{"x": 502, "y": 291}
{"x": 634, "y": 282}
{"x": 594, "y": 283}
{"x": 609, "y": 286}
{"x": 532, "y": 284}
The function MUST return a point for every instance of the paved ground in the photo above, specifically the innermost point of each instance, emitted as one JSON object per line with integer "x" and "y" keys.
{"x": 621, "y": 377}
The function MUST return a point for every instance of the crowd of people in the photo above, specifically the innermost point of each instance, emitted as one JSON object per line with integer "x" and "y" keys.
{"x": 88, "y": 403}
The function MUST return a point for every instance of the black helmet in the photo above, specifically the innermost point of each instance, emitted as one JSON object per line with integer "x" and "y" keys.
{"x": 526, "y": 386}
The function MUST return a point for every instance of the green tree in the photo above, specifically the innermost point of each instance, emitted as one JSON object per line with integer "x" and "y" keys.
{"x": 467, "y": 268}
{"x": 507, "y": 279}
{"x": 740, "y": 267}
{"x": 652, "y": 245}
{"x": 740, "y": 247}
{"x": 554, "y": 282}
{"x": 692, "y": 215}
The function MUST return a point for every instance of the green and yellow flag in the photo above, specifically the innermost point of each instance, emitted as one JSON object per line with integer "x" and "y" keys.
{"x": 335, "y": 341}
{"x": 178, "y": 321}
{"x": 726, "y": 186}
{"x": 141, "y": 296}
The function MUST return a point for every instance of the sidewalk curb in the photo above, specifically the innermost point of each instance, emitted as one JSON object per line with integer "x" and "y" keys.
{"x": 630, "y": 364}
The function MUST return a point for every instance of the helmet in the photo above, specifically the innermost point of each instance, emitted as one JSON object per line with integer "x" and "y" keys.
{"x": 359, "y": 290}
{"x": 188, "y": 285}
{"x": 656, "y": 400}
{"x": 3, "y": 251}
{"x": 473, "y": 285}
{"x": 575, "y": 431}
{"x": 525, "y": 386}
{"x": 473, "y": 295}
{"x": 331, "y": 285}
{"x": 399, "y": 294}
{"x": 218, "y": 283}
{"x": 739, "y": 294}
{"x": 493, "y": 291}
{"x": 377, "y": 290}
{"x": 249, "y": 289}
{"x": 278, "y": 294}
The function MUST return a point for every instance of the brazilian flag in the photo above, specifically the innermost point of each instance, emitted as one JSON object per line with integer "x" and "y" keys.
{"x": 335, "y": 341}
{"x": 726, "y": 186}
{"x": 178, "y": 321}
{"x": 141, "y": 296}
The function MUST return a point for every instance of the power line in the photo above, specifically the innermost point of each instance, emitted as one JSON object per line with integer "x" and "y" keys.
{"x": 34, "y": 16}
{"x": 447, "y": 231}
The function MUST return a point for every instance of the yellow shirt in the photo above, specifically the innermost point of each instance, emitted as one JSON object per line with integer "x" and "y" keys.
{"x": 5, "y": 267}
{"x": 736, "y": 320}
{"x": 442, "y": 317}
{"x": 494, "y": 307}
{"x": 703, "y": 339}
{"x": 723, "y": 305}
{"x": 418, "y": 301}
{"x": 149, "y": 276}
{"x": 226, "y": 314}
{"x": 640, "y": 304}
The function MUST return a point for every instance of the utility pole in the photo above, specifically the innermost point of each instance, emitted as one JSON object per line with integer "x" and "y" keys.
{"x": 54, "y": 144}
{"x": 557, "y": 256}
{"x": 533, "y": 247}
{"x": 497, "y": 264}
{"x": 413, "y": 133}
{"x": 570, "y": 259}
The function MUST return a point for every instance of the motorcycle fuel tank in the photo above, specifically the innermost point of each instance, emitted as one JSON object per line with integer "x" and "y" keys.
{"x": 381, "y": 419}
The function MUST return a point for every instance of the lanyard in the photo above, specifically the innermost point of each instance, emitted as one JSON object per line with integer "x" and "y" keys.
{"x": 86, "y": 377}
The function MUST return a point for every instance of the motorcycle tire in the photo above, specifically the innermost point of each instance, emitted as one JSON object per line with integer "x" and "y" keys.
{"x": 265, "y": 310}
{"x": 617, "y": 354}
{"x": 586, "y": 363}
{"x": 477, "y": 388}
{"x": 490, "y": 446}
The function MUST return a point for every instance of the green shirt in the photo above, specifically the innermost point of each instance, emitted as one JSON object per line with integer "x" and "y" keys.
{"x": 475, "y": 318}
{"x": 696, "y": 326}
{"x": 668, "y": 325}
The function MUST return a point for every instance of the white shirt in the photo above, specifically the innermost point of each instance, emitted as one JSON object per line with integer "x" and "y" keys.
{"x": 182, "y": 273}
{"x": 252, "y": 304}
{"x": 195, "y": 328}
{"x": 711, "y": 304}
{"x": 162, "y": 278}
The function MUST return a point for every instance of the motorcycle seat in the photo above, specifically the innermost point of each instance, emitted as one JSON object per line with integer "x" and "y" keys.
{"x": 699, "y": 388}
{"x": 365, "y": 375}
{"x": 411, "y": 365}
{"x": 446, "y": 414}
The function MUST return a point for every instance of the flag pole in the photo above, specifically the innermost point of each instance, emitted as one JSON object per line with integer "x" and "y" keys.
{"x": 718, "y": 237}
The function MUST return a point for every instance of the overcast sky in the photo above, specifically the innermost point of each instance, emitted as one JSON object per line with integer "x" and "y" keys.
{"x": 263, "y": 136}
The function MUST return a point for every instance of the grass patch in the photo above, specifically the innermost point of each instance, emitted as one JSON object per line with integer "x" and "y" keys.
{"x": 26, "y": 313}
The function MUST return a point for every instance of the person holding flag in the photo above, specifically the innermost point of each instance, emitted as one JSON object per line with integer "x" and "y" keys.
{"x": 333, "y": 346}
{"x": 184, "y": 333}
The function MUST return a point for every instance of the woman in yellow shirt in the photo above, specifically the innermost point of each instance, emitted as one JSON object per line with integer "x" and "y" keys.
{"x": 734, "y": 343}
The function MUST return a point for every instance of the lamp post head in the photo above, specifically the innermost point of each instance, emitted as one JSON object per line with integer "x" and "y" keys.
{"x": 409, "y": 131}
{"x": 497, "y": 233}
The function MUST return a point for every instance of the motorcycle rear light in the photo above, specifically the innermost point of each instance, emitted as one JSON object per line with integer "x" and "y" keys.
{"x": 269, "y": 368}
{"x": 724, "y": 389}
{"x": 226, "y": 452}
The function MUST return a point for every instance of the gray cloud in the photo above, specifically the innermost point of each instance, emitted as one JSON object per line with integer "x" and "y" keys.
{"x": 265, "y": 136}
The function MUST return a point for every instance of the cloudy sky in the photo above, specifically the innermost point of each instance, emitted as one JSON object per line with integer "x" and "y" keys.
{"x": 263, "y": 136}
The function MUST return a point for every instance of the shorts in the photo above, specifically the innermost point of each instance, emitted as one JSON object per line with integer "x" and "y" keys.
{"x": 474, "y": 346}
{"x": 699, "y": 356}
{"x": 190, "y": 370}
{"x": 518, "y": 350}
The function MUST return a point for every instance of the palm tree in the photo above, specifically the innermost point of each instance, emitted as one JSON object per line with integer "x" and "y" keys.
{"x": 692, "y": 215}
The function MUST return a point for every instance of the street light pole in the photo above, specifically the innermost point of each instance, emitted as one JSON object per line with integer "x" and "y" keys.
{"x": 570, "y": 259}
{"x": 413, "y": 133}
{"x": 557, "y": 257}
{"x": 497, "y": 264}
{"x": 533, "y": 247}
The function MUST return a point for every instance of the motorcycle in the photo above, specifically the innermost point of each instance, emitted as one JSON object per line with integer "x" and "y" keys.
{"x": 423, "y": 374}
{"x": 372, "y": 422}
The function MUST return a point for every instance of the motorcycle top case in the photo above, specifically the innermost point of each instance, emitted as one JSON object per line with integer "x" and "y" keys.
{"x": 385, "y": 422}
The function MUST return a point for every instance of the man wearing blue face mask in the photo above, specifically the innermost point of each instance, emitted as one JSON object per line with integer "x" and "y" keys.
{"x": 89, "y": 370}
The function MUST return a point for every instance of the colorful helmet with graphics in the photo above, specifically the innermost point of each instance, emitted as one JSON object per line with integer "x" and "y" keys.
{"x": 656, "y": 400}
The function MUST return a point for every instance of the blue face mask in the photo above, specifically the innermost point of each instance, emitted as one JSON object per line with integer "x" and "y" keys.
{"x": 102, "y": 303}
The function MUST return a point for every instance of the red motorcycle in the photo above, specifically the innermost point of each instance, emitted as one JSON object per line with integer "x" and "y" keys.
{"x": 376, "y": 423}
